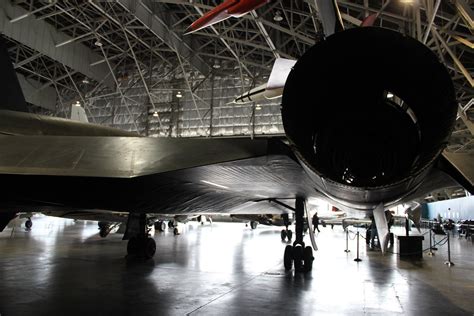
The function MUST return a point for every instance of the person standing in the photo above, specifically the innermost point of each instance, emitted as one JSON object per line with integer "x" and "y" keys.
{"x": 315, "y": 222}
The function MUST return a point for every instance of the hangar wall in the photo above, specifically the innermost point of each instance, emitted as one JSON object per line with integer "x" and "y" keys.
{"x": 207, "y": 112}
{"x": 455, "y": 209}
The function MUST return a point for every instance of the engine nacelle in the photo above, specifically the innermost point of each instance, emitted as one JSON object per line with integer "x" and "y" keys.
{"x": 367, "y": 112}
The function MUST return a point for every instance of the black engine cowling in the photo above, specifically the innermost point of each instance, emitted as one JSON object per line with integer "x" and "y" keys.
{"x": 368, "y": 111}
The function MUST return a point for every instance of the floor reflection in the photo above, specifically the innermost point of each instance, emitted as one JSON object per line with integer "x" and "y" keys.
{"x": 64, "y": 267}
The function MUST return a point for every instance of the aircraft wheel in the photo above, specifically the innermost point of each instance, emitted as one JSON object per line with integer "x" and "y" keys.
{"x": 308, "y": 259}
{"x": 133, "y": 246}
{"x": 289, "y": 234}
{"x": 176, "y": 231}
{"x": 253, "y": 224}
{"x": 283, "y": 235}
{"x": 149, "y": 248}
{"x": 102, "y": 225}
{"x": 28, "y": 224}
{"x": 103, "y": 232}
{"x": 298, "y": 258}
{"x": 160, "y": 226}
{"x": 170, "y": 224}
{"x": 288, "y": 257}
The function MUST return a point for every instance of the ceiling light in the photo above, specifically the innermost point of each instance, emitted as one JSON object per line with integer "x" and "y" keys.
{"x": 179, "y": 95}
{"x": 155, "y": 114}
{"x": 407, "y": 1}
{"x": 77, "y": 103}
{"x": 85, "y": 80}
{"x": 278, "y": 17}
{"x": 216, "y": 65}
{"x": 389, "y": 95}
{"x": 258, "y": 107}
{"x": 98, "y": 43}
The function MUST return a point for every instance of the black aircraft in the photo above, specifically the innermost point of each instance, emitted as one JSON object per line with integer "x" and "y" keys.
{"x": 347, "y": 141}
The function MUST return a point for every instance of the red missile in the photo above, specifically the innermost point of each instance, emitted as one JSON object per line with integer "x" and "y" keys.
{"x": 228, "y": 8}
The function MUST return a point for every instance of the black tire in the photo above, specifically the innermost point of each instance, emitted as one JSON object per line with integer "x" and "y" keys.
{"x": 298, "y": 258}
{"x": 289, "y": 234}
{"x": 288, "y": 258}
{"x": 28, "y": 224}
{"x": 133, "y": 246}
{"x": 283, "y": 235}
{"x": 160, "y": 226}
{"x": 308, "y": 258}
{"x": 149, "y": 248}
{"x": 253, "y": 224}
{"x": 176, "y": 231}
{"x": 103, "y": 225}
{"x": 170, "y": 224}
{"x": 103, "y": 232}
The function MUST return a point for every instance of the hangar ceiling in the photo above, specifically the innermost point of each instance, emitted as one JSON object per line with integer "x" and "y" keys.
{"x": 129, "y": 65}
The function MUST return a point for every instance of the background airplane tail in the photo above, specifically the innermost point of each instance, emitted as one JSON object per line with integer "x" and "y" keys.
{"x": 78, "y": 113}
{"x": 10, "y": 91}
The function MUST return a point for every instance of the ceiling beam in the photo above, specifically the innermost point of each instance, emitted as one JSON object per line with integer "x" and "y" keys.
{"x": 161, "y": 29}
{"x": 43, "y": 37}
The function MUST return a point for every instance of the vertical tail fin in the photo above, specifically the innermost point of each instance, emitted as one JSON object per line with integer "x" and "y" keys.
{"x": 11, "y": 95}
{"x": 78, "y": 113}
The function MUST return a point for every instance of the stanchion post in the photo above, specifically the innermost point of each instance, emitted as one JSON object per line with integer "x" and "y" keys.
{"x": 431, "y": 253}
{"x": 449, "y": 263}
{"x": 347, "y": 241}
{"x": 434, "y": 241}
{"x": 357, "y": 259}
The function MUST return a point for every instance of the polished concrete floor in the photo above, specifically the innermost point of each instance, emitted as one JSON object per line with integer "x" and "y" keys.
{"x": 65, "y": 268}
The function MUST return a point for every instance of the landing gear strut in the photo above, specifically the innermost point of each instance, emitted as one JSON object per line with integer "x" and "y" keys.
{"x": 297, "y": 254}
{"x": 140, "y": 244}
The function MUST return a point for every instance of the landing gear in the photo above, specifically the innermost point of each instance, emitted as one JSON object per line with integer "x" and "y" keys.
{"x": 140, "y": 244}
{"x": 103, "y": 233}
{"x": 288, "y": 257}
{"x": 160, "y": 226}
{"x": 170, "y": 224}
{"x": 286, "y": 233}
{"x": 253, "y": 224}
{"x": 105, "y": 228}
{"x": 176, "y": 231}
{"x": 141, "y": 247}
{"x": 308, "y": 258}
{"x": 298, "y": 255}
{"x": 28, "y": 224}
{"x": 103, "y": 225}
{"x": 201, "y": 219}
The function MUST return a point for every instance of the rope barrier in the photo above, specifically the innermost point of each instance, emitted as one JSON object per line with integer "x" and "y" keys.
{"x": 441, "y": 242}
